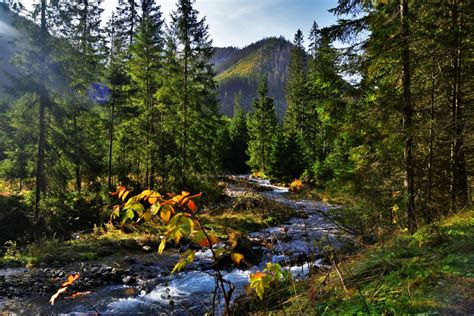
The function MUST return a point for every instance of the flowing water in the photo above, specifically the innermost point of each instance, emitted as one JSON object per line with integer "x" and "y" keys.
{"x": 294, "y": 246}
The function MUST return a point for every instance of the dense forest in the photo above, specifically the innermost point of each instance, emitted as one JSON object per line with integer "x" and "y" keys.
{"x": 373, "y": 113}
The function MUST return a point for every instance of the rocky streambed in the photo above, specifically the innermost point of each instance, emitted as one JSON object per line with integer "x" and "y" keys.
{"x": 141, "y": 284}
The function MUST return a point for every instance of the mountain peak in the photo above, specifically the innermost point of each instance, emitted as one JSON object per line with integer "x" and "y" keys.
{"x": 238, "y": 71}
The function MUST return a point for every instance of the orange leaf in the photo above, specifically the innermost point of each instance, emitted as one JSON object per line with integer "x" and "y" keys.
{"x": 204, "y": 243}
{"x": 183, "y": 201}
{"x": 257, "y": 275}
{"x": 166, "y": 212}
{"x": 167, "y": 202}
{"x": 214, "y": 239}
{"x": 153, "y": 198}
{"x": 70, "y": 279}
{"x": 192, "y": 206}
{"x": 195, "y": 195}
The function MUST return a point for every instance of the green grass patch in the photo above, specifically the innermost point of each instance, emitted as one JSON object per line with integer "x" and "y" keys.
{"x": 431, "y": 271}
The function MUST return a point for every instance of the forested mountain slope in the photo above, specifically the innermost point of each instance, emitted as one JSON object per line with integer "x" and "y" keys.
{"x": 238, "y": 70}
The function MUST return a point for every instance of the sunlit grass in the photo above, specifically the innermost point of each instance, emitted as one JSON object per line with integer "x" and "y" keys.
{"x": 431, "y": 271}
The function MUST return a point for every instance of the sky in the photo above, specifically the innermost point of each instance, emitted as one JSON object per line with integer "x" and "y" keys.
{"x": 242, "y": 22}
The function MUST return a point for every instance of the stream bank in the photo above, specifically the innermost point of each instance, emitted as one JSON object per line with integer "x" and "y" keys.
{"x": 142, "y": 284}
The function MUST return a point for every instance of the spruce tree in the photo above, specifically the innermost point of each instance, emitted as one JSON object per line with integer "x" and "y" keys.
{"x": 195, "y": 91}
{"x": 238, "y": 137}
{"x": 295, "y": 116}
{"x": 145, "y": 64}
{"x": 262, "y": 124}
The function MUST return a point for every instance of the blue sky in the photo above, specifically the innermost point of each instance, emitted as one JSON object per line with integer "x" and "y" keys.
{"x": 241, "y": 22}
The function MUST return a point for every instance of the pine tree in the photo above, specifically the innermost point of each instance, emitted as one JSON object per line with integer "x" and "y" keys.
{"x": 295, "y": 116}
{"x": 238, "y": 138}
{"x": 195, "y": 91}
{"x": 286, "y": 161}
{"x": 145, "y": 64}
{"x": 126, "y": 23}
{"x": 261, "y": 127}
{"x": 118, "y": 80}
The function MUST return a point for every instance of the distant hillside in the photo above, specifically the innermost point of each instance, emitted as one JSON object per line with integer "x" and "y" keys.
{"x": 8, "y": 36}
{"x": 238, "y": 70}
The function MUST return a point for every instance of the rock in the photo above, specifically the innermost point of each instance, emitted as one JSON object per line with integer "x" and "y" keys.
{"x": 129, "y": 260}
{"x": 128, "y": 280}
{"x": 146, "y": 248}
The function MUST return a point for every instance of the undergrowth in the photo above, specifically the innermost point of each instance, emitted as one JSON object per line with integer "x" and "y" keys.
{"x": 428, "y": 272}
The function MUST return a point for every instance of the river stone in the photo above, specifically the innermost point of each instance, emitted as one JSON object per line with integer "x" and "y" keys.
{"x": 128, "y": 280}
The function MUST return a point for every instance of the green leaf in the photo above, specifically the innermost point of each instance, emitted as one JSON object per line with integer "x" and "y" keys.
{"x": 155, "y": 208}
{"x": 138, "y": 208}
{"x": 162, "y": 246}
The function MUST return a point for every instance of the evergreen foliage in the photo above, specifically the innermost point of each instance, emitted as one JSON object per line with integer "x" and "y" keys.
{"x": 262, "y": 124}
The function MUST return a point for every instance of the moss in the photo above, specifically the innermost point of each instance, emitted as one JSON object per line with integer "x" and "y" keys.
{"x": 247, "y": 213}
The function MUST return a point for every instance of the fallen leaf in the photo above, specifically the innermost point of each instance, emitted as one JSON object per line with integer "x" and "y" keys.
{"x": 55, "y": 296}
{"x": 70, "y": 279}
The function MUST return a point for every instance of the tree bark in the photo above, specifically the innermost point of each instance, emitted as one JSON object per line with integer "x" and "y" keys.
{"x": 111, "y": 137}
{"x": 407, "y": 116}
{"x": 43, "y": 99}
{"x": 459, "y": 192}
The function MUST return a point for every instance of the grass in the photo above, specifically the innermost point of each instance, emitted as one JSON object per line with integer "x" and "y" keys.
{"x": 247, "y": 213}
{"x": 102, "y": 243}
{"x": 431, "y": 271}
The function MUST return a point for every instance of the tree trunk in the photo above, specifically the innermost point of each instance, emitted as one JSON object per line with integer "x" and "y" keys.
{"x": 407, "y": 117}
{"x": 111, "y": 137}
{"x": 77, "y": 158}
{"x": 427, "y": 212}
{"x": 40, "y": 178}
{"x": 185, "y": 115}
{"x": 459, "y": 192}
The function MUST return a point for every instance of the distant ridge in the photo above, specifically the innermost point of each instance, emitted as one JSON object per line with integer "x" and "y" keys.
{"x": 238, "y": 70}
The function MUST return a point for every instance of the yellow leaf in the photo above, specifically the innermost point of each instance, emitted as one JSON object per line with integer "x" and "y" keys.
{"x": 145, "y": 194}
{"x": 166, "y": 212}
{"x": 236, "y": 257}
{"x": 121, "y": 192}
{"x": 162, "y": 246}
{"x": 124, "y": 196}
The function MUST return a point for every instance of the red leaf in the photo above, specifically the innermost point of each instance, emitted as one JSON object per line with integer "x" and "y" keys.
{"x": 192, "y": 206}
